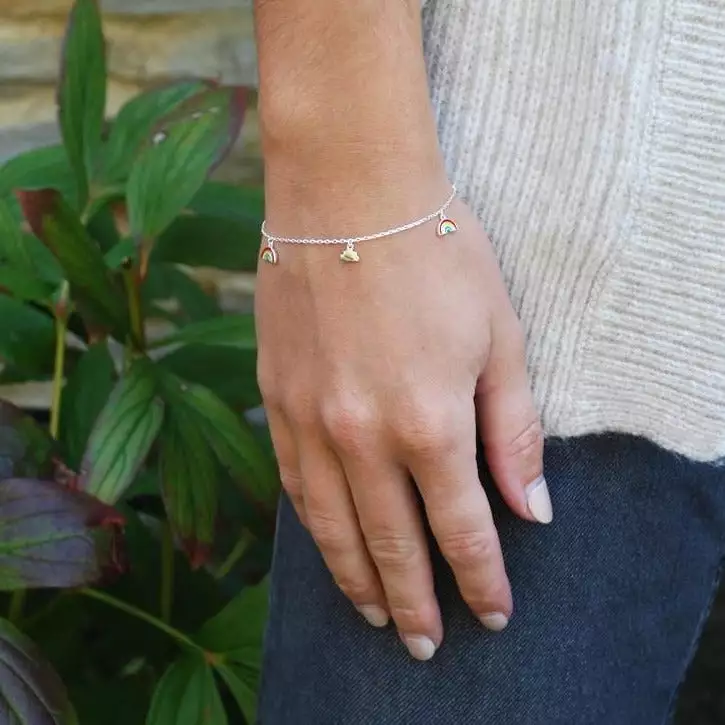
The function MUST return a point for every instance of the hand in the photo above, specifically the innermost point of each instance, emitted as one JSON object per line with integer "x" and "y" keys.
{"x": 374, "y": 376}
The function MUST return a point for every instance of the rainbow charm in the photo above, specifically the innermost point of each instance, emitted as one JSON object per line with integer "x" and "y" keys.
{"x": 446, "y": 226}
{"x": 269, "y": 255}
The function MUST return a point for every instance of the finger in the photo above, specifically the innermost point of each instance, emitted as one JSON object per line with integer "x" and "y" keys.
{"x": 511, "y": 430}
{"x": 285, "y": 449}
{"x": 460, "y": 518}
{"x": 334, "y": 525}
{"x": 390, "y": 518}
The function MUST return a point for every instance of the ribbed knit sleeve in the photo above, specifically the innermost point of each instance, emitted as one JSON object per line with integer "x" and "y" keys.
{"x": 589, "y": 137}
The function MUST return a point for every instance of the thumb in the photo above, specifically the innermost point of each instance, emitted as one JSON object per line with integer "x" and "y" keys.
{"x": 511, "y": 431}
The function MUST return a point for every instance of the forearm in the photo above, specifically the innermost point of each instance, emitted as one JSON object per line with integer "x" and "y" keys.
{"x": 343, "y": 96}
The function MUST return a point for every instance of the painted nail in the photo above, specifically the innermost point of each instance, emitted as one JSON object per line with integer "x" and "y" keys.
{"x": 420, "y": 647}
{"x": 539, "y": 502}
{"x": 495, "y": 621}
{"x": 376, "y": 616}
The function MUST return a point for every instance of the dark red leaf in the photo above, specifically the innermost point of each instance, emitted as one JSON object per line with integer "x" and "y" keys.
{"x": 51, "y": 536}
{"x": 36, "y": 204}
{"x": 93, "y": 287}
{"x": 237, "y": 109}
{"x": 31, "y": 692}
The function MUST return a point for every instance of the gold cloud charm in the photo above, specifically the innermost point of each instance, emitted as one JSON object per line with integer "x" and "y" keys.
{"x": 350, "y": 255}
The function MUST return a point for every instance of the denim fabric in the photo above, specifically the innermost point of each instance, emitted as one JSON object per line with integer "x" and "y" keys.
{"x": 609, "y": 599}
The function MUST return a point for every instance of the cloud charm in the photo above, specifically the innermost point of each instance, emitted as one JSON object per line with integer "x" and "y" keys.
{"x": 349, "y": 255}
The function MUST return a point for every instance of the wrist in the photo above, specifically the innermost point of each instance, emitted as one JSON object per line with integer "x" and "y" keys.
{"x": 346, "y": 119}
{"x": 322, "y": 175}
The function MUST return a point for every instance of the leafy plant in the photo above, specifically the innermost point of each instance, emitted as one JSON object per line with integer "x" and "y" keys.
{"x": 121, "y": 491}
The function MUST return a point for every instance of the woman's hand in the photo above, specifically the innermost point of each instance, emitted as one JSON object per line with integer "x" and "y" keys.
{"x": 374, "y": 377}
{"x": 375, "y": 374}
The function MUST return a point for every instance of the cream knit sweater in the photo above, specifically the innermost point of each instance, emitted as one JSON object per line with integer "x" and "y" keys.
{"x": 589, "y": 137}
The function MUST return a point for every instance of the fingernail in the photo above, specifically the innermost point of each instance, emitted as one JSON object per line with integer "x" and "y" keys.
{"x": 420, "y": 647}
{"x": 376, "y": 616}
{"x": 539, "y": 502}
{"x": 496, "y": 621}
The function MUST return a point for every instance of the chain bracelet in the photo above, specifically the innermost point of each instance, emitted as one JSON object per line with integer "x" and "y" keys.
{"x": 446, "y": 226}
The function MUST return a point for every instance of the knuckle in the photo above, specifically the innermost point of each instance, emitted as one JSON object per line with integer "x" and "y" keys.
{"x": 495, "y": 597}
{"x": 392, "y": 550}
{"x": 426, "y": 428}
{"x": 418, "y": 619}
{"x": 530, "y": 442}
{"x": 348, "y": 422}
{"x": 300, "y": 407}
{"x": 355, "y": 589}
{"x": 468, "y": 549}
{"x": 292, "y": 482}
{"x": 327, "y": 532}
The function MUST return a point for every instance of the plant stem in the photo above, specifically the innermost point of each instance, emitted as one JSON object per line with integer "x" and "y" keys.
{"x": 61, "y": 330}
{"x": 132, "y": 280}
{"x": 245, "y": 540}
{"x": 111, "y": 601}
{"x": 167, "y": 572}
{"x": 17, "y": 602}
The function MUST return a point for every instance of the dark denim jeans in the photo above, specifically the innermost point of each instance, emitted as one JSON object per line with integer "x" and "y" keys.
{"x": 610, "y": 600}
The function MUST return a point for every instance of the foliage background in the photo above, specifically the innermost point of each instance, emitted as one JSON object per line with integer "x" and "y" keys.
{"x": 149, "y": 467}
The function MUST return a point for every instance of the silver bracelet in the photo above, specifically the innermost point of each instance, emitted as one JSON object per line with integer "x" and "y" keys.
{"x": 446, "y": 226}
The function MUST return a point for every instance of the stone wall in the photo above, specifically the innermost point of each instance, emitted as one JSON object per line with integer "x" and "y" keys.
{"x": 149, "y": 42}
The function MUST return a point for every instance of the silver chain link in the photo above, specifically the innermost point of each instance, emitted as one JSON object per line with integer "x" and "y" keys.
{"x": 351, "y": 241}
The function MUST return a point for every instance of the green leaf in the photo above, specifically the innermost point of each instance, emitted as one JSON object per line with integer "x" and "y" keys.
{"x": 52, "y": 536}
{"x": 181, "y": 153}
{"x": 189, "y": 475}
{"x": 232, "y": 330}
{"x": 82, "y": 91}
{"x": 238, "y": 630}
{"x": 13, "y": 250}
{"x": 22, "y": 273}
{"x": 205, "y": 241}
{"x": 102, "y": 228}
{"x": 31, "y": 693}
{"x": 23, "y": 285}
{"x": 27, "y": 337}
{"x": 237, "y": 633}
{"x": 92, "y": 283}
{"x": 235, "y": 445}
{"x": 244, "y": 685}
{"x": 187, "y": 695}
{"x": 42, "y": 168}
{"x": 26, "y": 449}
{"x": 175, "y": 289}
{"x": 228, "y": 371}
{"x": 123, "y": 434}
{"x": 135, "y": 123}
{"x": 84, "y": 396}
{"x": 230, "y": 201}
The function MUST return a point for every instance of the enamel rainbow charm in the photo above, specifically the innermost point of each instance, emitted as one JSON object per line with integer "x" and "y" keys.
{"x": 269, "y": 255}
{"x": 446, "y": 226}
